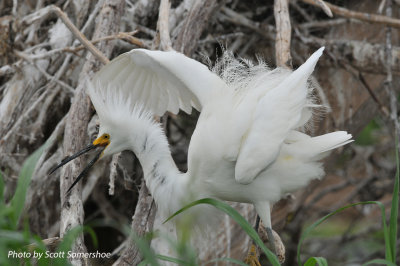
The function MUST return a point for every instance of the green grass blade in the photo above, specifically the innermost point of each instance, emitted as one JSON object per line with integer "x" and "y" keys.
{"x": 1, "y": 189}
{"x": 316, "y": 260}
{"x": 394, "y": 212}
{"x": 24, "y": 179}
{"x": 149, "y": 257}
{"x": 66, "y": 244}
{"x": 171, "y": 259}
{"x": 238, "y": 218}
{"x": 380, "y": 262}
{"x": 93, "y": 236}
{"x": 143, "y": 263}
{"x": 145, "y": 250}
{"x": 308, "y": 230}
{"x": 12, "y": 236}
{"x": 3, "y": 208}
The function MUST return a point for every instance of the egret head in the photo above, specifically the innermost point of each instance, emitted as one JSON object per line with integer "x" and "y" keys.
{"x": 113, "y": 138}
{"x": 120, "y": 125}
{"x": 105, "y": 145}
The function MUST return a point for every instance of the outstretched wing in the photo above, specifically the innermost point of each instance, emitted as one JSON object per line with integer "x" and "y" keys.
{"x": 158, "y": 81}
{"x": 279, "y": 111}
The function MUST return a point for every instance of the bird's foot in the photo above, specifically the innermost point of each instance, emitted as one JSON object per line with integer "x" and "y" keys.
{"x": 252, "y": 257}
{"x": 273, "y": 242}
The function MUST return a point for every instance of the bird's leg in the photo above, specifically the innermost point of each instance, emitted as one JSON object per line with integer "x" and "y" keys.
{"x": 271, "y": 239}
{"x": 265, "y": 231}
{"x": 264, "y": 212}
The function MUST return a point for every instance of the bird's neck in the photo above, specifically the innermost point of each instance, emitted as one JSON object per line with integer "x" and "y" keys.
{"x": 165, "y": 182}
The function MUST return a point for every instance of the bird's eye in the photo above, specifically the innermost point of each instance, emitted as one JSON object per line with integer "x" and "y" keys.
{"x": 106, "y": 136}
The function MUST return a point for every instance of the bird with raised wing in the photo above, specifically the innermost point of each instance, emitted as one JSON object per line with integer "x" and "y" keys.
{"x": 246, "y": 146}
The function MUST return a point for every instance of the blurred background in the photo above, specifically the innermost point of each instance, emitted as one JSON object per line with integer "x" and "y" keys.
{"x": 41, "y": 65}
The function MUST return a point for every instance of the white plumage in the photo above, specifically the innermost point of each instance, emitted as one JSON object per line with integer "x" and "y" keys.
{"x": 246, "y": 146}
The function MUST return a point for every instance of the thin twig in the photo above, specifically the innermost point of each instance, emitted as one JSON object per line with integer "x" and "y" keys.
{"x": 222, "y": 37}
{"x": 70, "y": 90}
{"x": 389, "y": 77}
{"x": 323, "y": 24}
{"x": 239, "y": 19}
{"x": 373, "y": 18}
{"x": 299, "y": 9}
{"x": 121, "y": 35}
{"x": 92, "y": 16}
{"x": 324, "y": 7}
{"x": 81, "y": 37}
{"x": 382, "y": 107}
{"x": 50, "y": 243}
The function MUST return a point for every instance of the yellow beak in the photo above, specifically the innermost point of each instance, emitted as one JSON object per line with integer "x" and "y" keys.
{"x": 103, "y": 140}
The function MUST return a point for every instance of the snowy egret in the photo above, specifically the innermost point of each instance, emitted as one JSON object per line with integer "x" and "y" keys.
{"x": 246, "y": 146}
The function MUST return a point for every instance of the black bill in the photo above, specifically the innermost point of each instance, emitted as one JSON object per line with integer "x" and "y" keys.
{"x": 70, "y": 158}
{"x": 86, "y": 170}
{"x": 76, "y": 155}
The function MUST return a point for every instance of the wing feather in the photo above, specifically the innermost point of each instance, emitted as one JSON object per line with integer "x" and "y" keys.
{"x": 159, "y": 81}
{"x": 137, "y": 89}
{"x": 278, "y": 112}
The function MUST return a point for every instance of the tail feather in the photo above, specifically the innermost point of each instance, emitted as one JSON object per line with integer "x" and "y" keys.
{"x": 316, "y": 148}
{"x": 332, "y": 140}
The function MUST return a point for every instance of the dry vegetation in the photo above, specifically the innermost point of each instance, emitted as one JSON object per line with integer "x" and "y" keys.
{"x": 43, "y": 66}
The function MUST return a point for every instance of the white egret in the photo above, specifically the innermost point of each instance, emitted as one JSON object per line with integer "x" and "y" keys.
{"x": 246, "y": 146}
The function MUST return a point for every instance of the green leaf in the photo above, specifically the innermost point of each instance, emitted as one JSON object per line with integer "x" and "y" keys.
{"x": 366, "y": 137}
{"x": 24, "y": 179}
{"x": 316, "y": 260}
{"x": 238, "y": 218}
{"x": 308, "y": 230}
{"x": 394, "y": 212}
{"x": 379, "y": 261}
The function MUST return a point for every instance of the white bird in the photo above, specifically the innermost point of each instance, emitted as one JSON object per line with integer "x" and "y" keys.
{"x": 246, "y": 146}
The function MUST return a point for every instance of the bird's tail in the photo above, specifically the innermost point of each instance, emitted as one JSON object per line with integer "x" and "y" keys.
{"x": 316, "y": 148}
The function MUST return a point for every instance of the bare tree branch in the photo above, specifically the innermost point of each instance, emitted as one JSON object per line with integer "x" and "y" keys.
{"x": 71, "y": 27}
{"x": 75, "y": 136}
{"x": 372, "y": 18}
{"x": 194, "y": 24}
{"x": 162, "y": 24}
{"x": 283, "y": 34}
